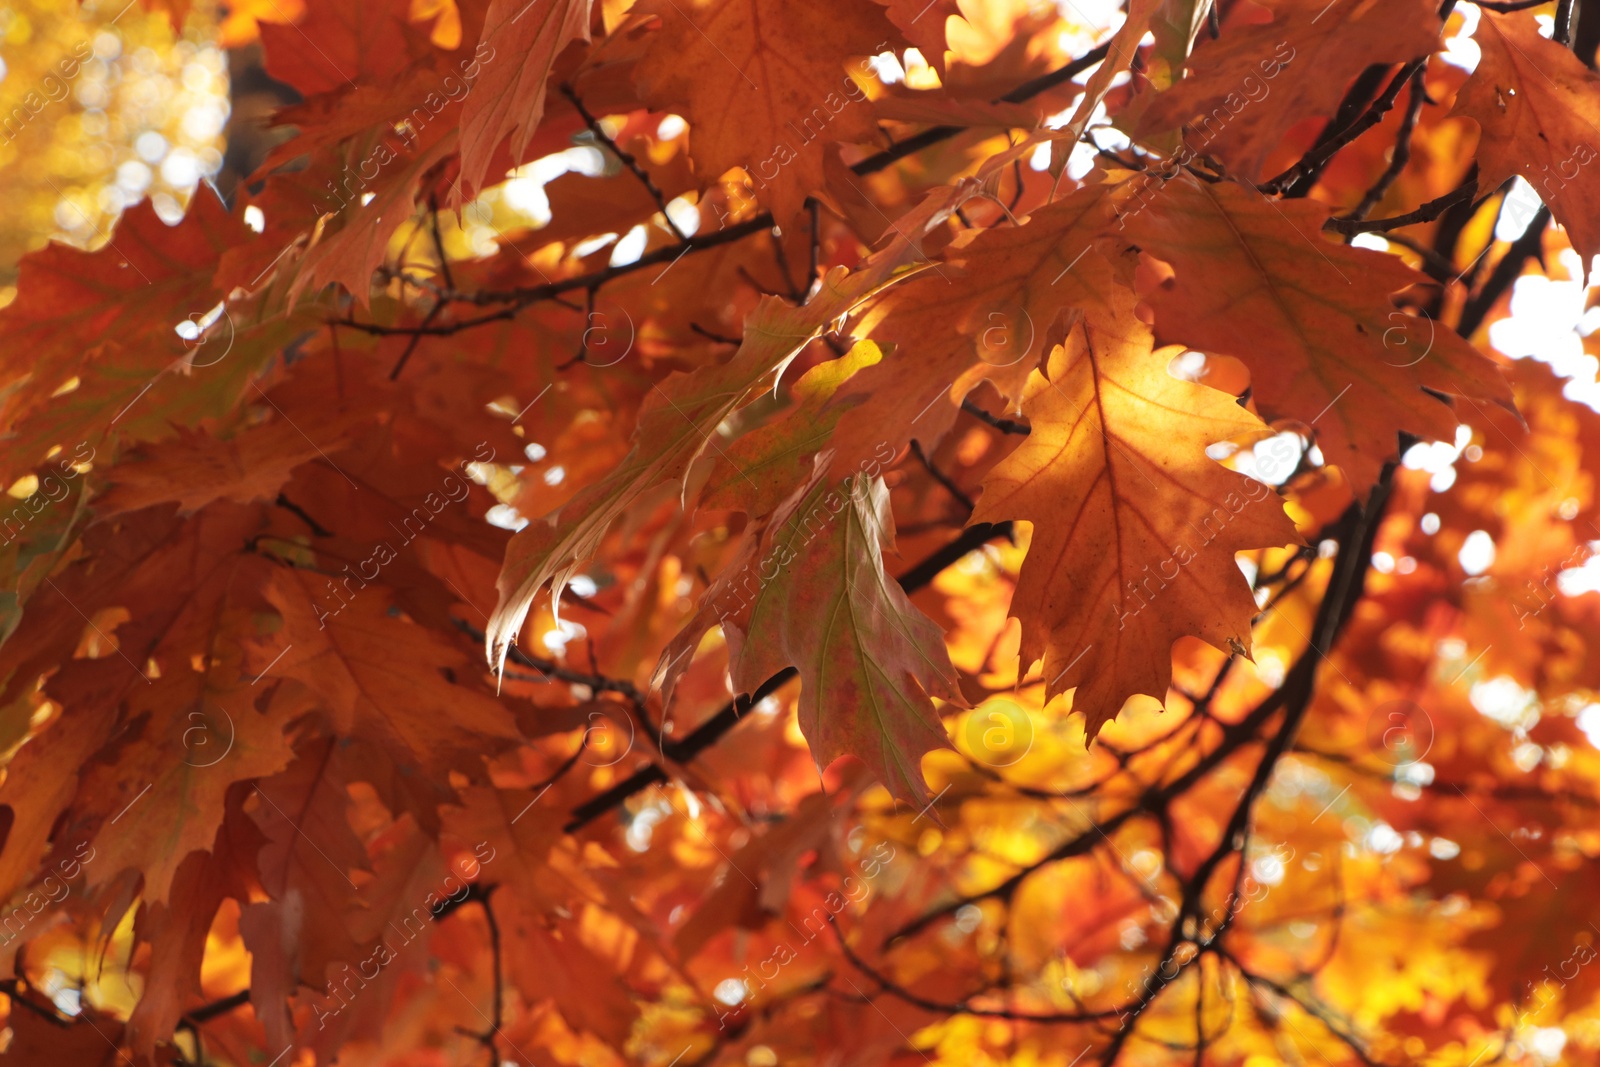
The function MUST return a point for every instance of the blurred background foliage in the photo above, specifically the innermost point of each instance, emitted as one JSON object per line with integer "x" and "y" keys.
{"x": 101, "y": 105}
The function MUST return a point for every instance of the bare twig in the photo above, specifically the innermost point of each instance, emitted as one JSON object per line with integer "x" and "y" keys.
{"x": 943, "y": 479}
{"x": 1402, "y": 151}
{"x": 625, "y": 157}
{"x": 1003, "y": 425}
{"x": 1426, "y": 213}
{"x": 1299, "y": 179}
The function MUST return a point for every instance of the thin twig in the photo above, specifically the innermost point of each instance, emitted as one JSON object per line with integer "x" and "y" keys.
{"x": 816, "y": 244}
{"x": 1562, "y": 34}
{"x": 438, "y": 242}
{"x": 1426, "y": 213}
{"x": 1299, "y": 179}
{"x": 416, "y": 339}
{"x": 626, "y": 157}
{"x": 518, "y": 299}
{"x": 1003, "y": 425}
{"x": 900, "y": 992}
{"x": 1402, "y": 151}
{"x": 942, "y": 478}
{"x": 1528, "y": 246}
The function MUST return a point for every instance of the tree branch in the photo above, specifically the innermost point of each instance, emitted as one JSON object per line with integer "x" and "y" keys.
{"x": 900, "y": 992}
{"x": 1529, "y": 245}
{"x": 1003, "y": 425}
{"x": 942, "y": 478}
{"x": 1353, "y": 224}
{"x": 1402, "y": 151}
{"x": 712, "y": 730}
{"x": 627, "y": 159}
{"x": 1299, "y": 179}
{"x": 1021, "y": 94}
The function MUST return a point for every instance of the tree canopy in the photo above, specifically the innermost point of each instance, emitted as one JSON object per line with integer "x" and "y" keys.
{"x": 693, "y": 533}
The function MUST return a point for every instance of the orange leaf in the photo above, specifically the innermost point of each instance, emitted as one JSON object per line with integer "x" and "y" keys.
{"x": 756, "y": 96}
{"x": 866, "y": 655}
{"x": 1313, "y": 321}
{"x": 1134, "y": 528}
{"x": 1539, "y": 109}
{"x": 1243, "y": 93}
{"x": 520, "y": 44}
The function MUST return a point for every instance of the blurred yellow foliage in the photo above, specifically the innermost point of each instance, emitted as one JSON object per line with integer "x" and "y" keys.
{"x": 101, "y": 105}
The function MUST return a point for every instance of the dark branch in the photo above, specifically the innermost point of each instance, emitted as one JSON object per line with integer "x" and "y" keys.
{"x": 517, "y": 299}
{"x": 894, "y": 989}
{"x": 1528, "y": 246}
{"x": 942, "y": 478}
{"x": 1402, "y": 151}
{"x": 1026, "y": 91}
{"x": 1003, "y": 425}
{"x": 713, "y": 729}
{"x": 626, "y": 158}
{"x": 1299, "y": 179}
{"x": 1353, "y": 224}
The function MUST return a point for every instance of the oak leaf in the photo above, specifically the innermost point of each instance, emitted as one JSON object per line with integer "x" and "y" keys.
{"x": 1538, "y": 109}
{"x": 868, "y": 659}
{"x": 100, "y": 327}
{"x": 990, "y": 311}
{"x": 1243, "y": 93}
{"x": 755, "y": 96}
{"x": 1134, "y": 527}
{"x": 343, "y": 643}
{"x": 518, "y": 50}
{"x": 1313, "y": 321}
{"x": 197, "y": 468}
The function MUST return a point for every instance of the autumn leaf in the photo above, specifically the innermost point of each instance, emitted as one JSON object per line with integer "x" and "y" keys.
{"x": 306, "y": 863}
{"x": 1313, "y": 321}
{"x": 834, "y": 612}
{"x": 1538, "y": 112}
{"x": 760, "y": 469}
{"x": 757, "y": 101}
{"x": 1242, "y": 95}
{"x": 989, "y": 312}
{"x": 196, "y": 469}
{"x": 340, "y": 640}
{"x": 1117, "y": 485}
{"x": 105, "y": 327}
{"x": 352, "y": 45}
{"x": 518, "y": 50}
{"x": 179, "y": 930}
